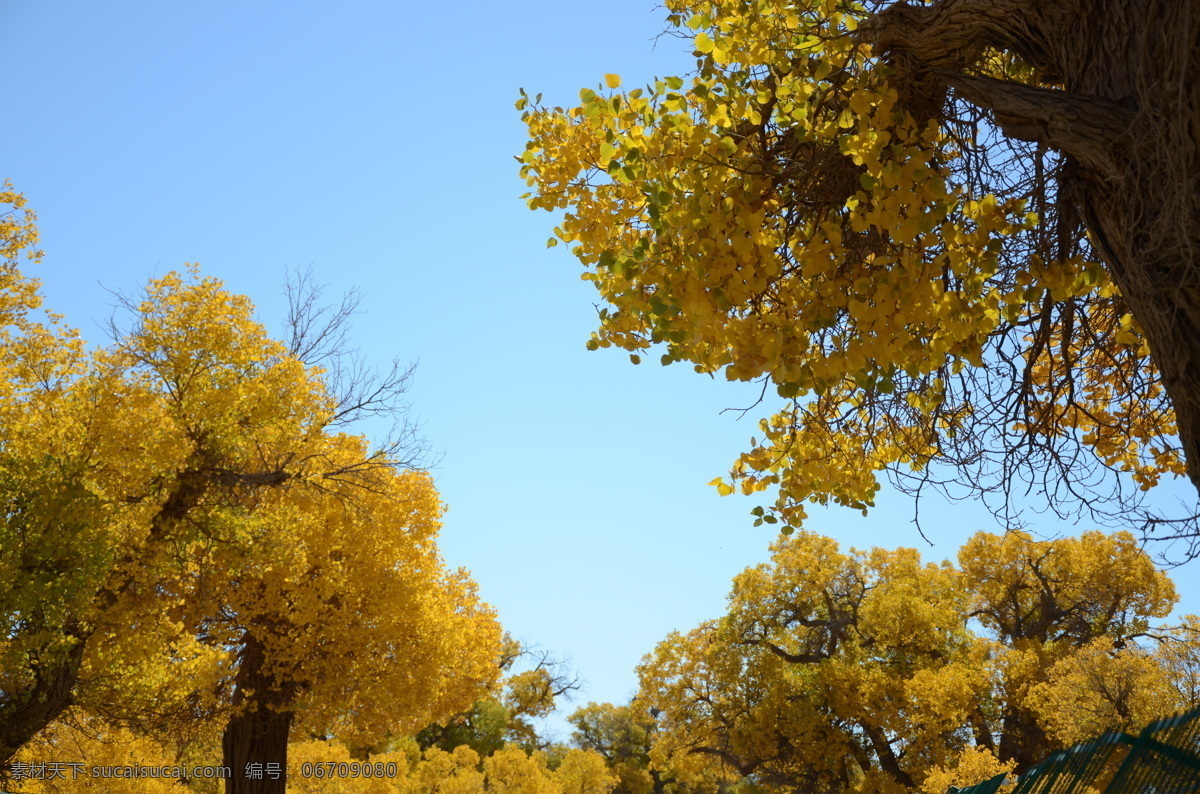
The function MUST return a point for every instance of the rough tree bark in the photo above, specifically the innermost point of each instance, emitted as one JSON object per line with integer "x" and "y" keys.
{"x": 50, "y": 693}
{"x": 254, "y": 744}
{"x": 1022, "y": 739}
{"x": 1127, "y": 118}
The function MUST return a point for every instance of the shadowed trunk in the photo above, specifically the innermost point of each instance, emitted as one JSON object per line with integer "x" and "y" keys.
{"x": 1022, "y": 739}
{"x": 254, "y": 744}
{"x": 33, "y": 708}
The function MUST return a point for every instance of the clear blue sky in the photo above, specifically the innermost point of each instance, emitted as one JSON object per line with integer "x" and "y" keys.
{"x": 375, "y": 142}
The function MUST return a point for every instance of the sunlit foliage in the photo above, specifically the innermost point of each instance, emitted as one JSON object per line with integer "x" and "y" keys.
{"x": 875, "y": 671}
{"x": 192, "y": 539}
{"x": 795, "y": 215}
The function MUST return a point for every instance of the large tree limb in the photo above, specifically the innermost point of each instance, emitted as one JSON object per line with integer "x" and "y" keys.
{"x": 887, "y": 757}
{"x": 27, "y": 711}
{"x": 1085, "y": 128}
{"x": 744, "y": 767}
{"x": 791, "y": 658}
{"x": 1127, "y": 114}
{"x": 931, "y": 46}
{"x": 953, "y": 33}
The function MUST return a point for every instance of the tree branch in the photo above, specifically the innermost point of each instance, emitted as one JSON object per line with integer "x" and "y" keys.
{"x": 1081, "y": 127}
{"x": 791, "y": 658}
{"x": 952, "y": 34}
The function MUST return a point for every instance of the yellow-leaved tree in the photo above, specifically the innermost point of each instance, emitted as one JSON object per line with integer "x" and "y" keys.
{"x": 330, "y": 582}
{"x": 58, "y": 536}
{"x": 192, "y": 537}
{"x": 864, "y": 670}
{"x": 956, "y": 238}
{"x": 622, "y": 736}
{"x": 506, "y": 714}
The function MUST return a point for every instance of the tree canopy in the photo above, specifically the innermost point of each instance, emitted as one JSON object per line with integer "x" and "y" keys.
{"x": 953, "y": 238}
{"x": 192, "y": 537}
{"x": 873, "y": 670}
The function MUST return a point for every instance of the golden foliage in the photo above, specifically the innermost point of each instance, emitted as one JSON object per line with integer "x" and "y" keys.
{"x": 189, "y": 490}
{"x": 1180, "y": 655}
{"x": 865, "y": 669}
{"x": 973, "y": 765}
{"x": 511, "y": 770}
{"x": 780, "y": 216}
{"x": 442, "y": 772}
{"x": 332, "y": 755}
{"x": 332, "y": 567}
{"x": 108, "y": 760}
{"x": 584, "y": 772}
{"x": 1099, "y": 688}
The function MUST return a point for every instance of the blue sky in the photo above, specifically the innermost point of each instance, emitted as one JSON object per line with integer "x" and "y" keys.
{"x": 375, "y": 143}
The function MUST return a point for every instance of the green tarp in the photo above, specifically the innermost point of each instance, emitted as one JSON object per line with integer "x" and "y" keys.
{"x": 1163, "y": 759}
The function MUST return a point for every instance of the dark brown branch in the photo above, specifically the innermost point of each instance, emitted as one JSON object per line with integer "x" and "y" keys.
{"x": 1086, "y": 128}
{"x": 791, "y": 658}
{"x": 953, "y": 33}
{"x": 887, "y": 757}
{"x": 744, "y": 768}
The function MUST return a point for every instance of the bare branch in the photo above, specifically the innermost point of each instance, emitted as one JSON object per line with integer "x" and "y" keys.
{"x": 317, "y": 334}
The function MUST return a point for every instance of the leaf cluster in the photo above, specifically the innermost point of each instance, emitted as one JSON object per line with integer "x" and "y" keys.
{"x": 915, "y": 288}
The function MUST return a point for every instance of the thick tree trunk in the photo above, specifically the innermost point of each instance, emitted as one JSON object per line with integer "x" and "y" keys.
{"x": 887, "y": 757}
{"x": 1127, "y": 119}
{"x": 1144, "y": 216}
{"x": 32, "y": 709}
{"x": 1022, "y": 739}
{"x": 255, "y": 741}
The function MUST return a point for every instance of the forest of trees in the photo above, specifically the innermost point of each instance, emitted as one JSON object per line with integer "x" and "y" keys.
{"x": 954, "y": 241}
